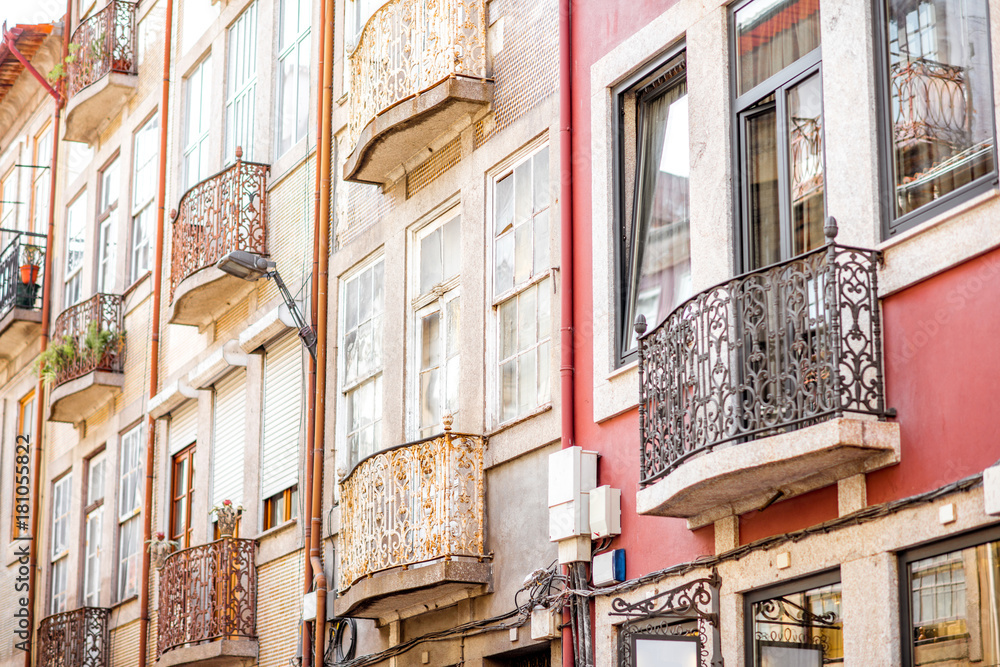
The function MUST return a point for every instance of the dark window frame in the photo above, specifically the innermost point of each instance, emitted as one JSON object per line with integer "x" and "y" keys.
{"x": 798, "y": 585}
{"x": 742, "y": 107}
{"x": 890, "y": 225}
{"x": 908, "y": 556}
{"x": 652, "y": 80}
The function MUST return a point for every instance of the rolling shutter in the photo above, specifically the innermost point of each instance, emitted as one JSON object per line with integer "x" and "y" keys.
{"x": 283, "y": 378}
{"x": 229, "y": 435}
{"x": 183, "y": 426}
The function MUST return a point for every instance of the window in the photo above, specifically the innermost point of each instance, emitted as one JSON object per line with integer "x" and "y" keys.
{"x": 144, "y": 173}
{"x": 130, "y": 491}
{"x": 799, "y": 624}
{"x": 937, "y": 107}
{"x": 75, "y": 224}
{"x": 61, "y": 490}
{"x": 93, "y": 525}
{"x": 522, "y": 296}
{"x": 655, "y": 240}
{"x": 40, "y": 179}
{"x": 198, "y": 88}
{"x": 359, "y": 12}
{"x": 436, "y": 310}
{"x": 107, "y": 228}
{"x": 951, "y": 601}
{"x": 20, "y": 528}
{"x": 8, "y": 200}
{"x": 362, "y": 296}
{"x": 182, "y": 497}
{"x": 293, "y": 73}
{"x": 241, "y": 86}
{"x": 281, "y": 507}
{"x": 779, "y": 123}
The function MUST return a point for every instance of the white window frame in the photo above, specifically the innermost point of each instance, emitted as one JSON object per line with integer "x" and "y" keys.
{"x": 494, "y": 378}
{"x": 76, "y": 220}
{"x": 41, "y": 179}
{"x": 94, "y": 507}
{"x": 107, "y": 225}
{"x": 241, "y": 84}
{"x": 299, "y": 50}
{"x": 130, "y": 490}
{"x": 144, "y": 168}
{"x": 197, "y": 122}
{"x": 62, "y": 490}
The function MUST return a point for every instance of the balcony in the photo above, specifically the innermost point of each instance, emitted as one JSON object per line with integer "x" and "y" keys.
{"x": 208, "y": 605}
{"x": 223, "y": 213}
{"x": 763, "y": 387}
{"x": 22, "y": 268}
{"x": 86, "y": 357}
{"x": 101, "y": 71}
{"x": 412, "y": 529}
{"x": 77, "y": 638}
{"x": 418, "y": 68}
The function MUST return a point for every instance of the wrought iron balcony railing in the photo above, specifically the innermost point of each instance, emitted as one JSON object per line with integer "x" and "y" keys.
{"x": 225, "y": 212}
{"x": 763, "y": 353}
{"x": 22, "y": 267}
{"x": 408, "y": 46}
{"x": 92, "y": 336}
{"x": 77, "y": 638}
{"x": 207, "y": 593}
{"x": 104, "y": 43}
{"x": 418, "y": 502}
{"x": 930, "y": 103}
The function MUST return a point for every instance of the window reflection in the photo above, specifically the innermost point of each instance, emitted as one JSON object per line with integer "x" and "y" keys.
{"x": 802, "y": 629}
{"x": 772, "y": 34}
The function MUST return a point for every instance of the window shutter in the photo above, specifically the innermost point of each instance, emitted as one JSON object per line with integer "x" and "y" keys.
{"x": 183, "y": 426}
{"x": 282, "y": 416}
{"x": 228, "y": 439}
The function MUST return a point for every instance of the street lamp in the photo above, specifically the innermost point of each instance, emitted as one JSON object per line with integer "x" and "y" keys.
{"x": 250, "y": 266}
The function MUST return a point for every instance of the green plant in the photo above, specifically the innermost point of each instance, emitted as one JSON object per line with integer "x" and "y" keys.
{"x": 31, "y": 254}
{"x": 97, "y": 341}
{"x": 57, "y": 358}
{"x": 58, "y": 70}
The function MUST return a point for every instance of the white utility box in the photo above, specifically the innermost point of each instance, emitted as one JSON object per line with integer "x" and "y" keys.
{"x": 605, "y": 512}
{"x": 572, "y": 475}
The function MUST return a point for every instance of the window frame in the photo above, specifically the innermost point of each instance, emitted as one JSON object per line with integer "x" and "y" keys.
{"x": 246, "y": 89}
{"x": 183, "y": 538}
{"x": 107, "y": 227}
{"x": 892, "y": 226}
{"x": 289, "y": 498}
{"x": 200, "y": 145}
{"x": 662, "y": 66}
{"x": 28, "y": 398}
{"x": 906, "y": 557}
{"x": 301, "y": 40}
{"x": 123, "y": 518}
{"x": 141, "y": 210}
{"x": 40, "y": 172}
{"x": 93, "y": 507}
{"x": 73, "y": 276}
{"x": 62, "y": 492}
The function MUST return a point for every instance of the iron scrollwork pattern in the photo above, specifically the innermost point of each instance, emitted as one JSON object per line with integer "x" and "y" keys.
{"x": 102, "y": 316}
{"x": 208, "y": 592}
{"x": 760, "y": 354}
{"x": 24, "y": 249}
{"x": 689, "y": 610}
{"x": 782, "y": 621}
{"x": 101, "y": 44}
{"x": 413, "y": 504}
{"x": 225, "y": 212}
{"x": 78, "y": 638}
{"x": 407, "y": 47}
{"x": 931, "y": 103}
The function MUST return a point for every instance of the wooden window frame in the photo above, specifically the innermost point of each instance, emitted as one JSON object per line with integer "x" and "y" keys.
{"x": 288, "y": 498}
{"x": 182, "y": 538}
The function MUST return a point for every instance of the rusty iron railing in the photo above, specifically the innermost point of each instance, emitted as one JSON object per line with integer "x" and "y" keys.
{"x": 763, "y": 353}
{"x": 408, "y": 46}
{"x": 225, "y": 212}
{"x": 930, "y": 103}
{"x": 207, "y": 593}
{"x": 104, "y": 43}
{"x": 415, "y": 503}
{"x": 78, "y": 638}
{"x": 22, "y": 268}
{"x": 94, "y": 331}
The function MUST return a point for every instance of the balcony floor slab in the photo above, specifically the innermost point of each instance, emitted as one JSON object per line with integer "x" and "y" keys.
{"x": 221, "y": 653}
{"x": 75, "y": 400}
{"x": 89, "y": 110}
{"x": 204, "y": 295}
{"x": 742, "y": 477}
{"x": 17, "y": 328}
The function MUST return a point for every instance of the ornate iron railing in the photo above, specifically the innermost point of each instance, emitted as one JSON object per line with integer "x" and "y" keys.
{"x": 930, "y": 102}
{"x": 408, "y": 46}
{"x": 103, "y": 43}
{"x": 22, "y": 268}
{"x": 763, "y": 353}
{"x": 208, "y": 592}
{"x": 416, "y": 503}
{"x": 93, "y": 335}
{"x": 225, "y": 212}
{"x": 77, "y": 638}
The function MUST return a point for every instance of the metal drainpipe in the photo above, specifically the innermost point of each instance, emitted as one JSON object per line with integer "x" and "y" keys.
{"x": 322, "y": 303}
{"x": 566, "y": 344}
{"x": 36, "y": 470}
{"x": 154, "y": 346}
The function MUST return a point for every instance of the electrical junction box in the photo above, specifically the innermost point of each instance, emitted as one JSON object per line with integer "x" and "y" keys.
{"x": 545, "y": 623}
{"x": 605, "y": 512}
{"x": 991, "y": 490}
{"x": 572, "y": 475}
{"x": 608, "y": 567}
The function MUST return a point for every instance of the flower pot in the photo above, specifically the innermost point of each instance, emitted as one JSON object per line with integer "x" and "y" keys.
{"x": 29, "y": 274}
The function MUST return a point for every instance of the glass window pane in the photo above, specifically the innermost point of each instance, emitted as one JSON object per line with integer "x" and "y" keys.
{"x": 762, "y": 189}
{"x": 527, "y": 382}
{"x": 430, "y": 411}
{"x": 803, "y": 629}
{"x": 522, "y": 253}
{"x": 504, "y": 280}
{"x": 527, "y": 317}
{"x": 508, "y": 328}
{"x": 508, "y": 390}
{"x": 541, "y": 243}
{"x": 772, "y": 34}
{"x": 430, "y": 261}
{"x": 522, "y": 192}
{"x": 940, "y": 98}
{"x": 805, "y": 145}
{"x": 378, "y": 287}
{"x": 543, "y": 373}
{"x": 540, "y": 173}
{"x": 430, "y": 340}
{"x": 452, "y": 236}
{"x": 663, "y": 652}
{"x": 504, "y": 205}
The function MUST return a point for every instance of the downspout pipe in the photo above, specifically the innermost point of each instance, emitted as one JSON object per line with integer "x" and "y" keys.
{"x": 567, "y": 370}
{"x": 36, "y": 461}
{"x": 154, "y": 346}
{"x": 11, "y": 44}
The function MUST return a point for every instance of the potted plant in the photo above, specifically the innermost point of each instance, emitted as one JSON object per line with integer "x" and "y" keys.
{"x": 57, "y": 358}
{"x": 159, "y": 548}
{"x": 227, "y": 515}
{"x": 27, "y": 290}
